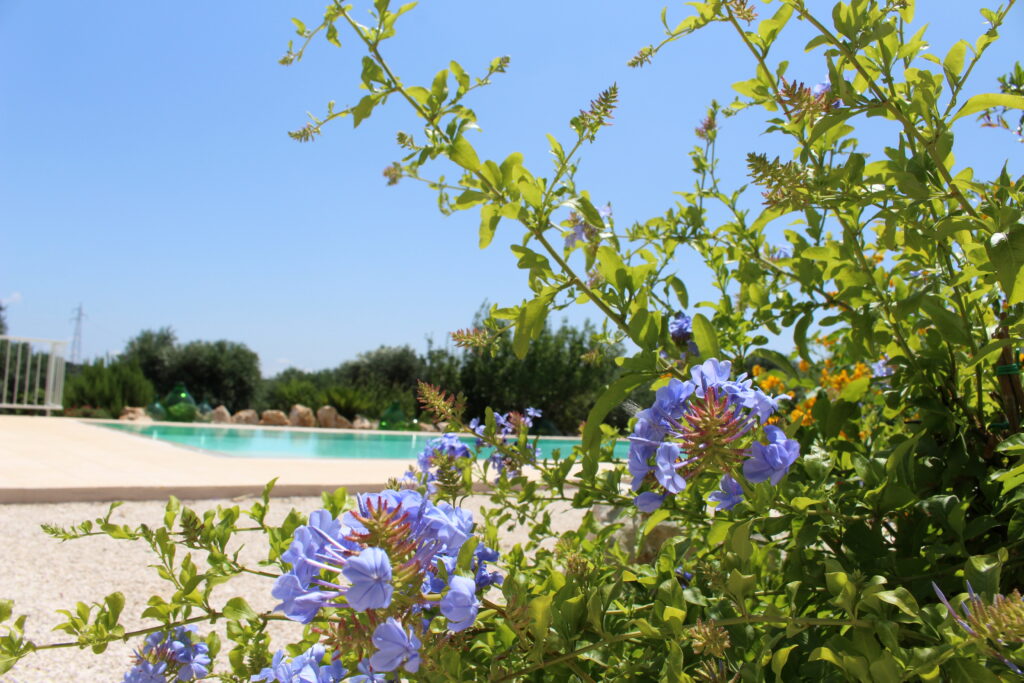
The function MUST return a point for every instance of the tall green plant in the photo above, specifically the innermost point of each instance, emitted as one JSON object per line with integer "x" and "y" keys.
{"x": 110, "y": 387}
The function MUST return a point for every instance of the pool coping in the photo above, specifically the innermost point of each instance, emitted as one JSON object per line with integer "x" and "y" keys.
{"x": 59, "y": 459}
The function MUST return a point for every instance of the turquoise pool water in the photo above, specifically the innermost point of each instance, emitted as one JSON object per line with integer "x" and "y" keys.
{"x": 292, "y": 443}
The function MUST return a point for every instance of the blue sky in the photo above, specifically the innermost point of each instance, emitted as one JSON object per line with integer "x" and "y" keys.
{"x": 145, "y": 170}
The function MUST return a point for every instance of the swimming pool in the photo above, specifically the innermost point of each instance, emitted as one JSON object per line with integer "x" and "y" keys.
{"x": 255, "y": 442}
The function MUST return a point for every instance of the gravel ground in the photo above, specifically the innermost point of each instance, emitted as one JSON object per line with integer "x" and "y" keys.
{"x": 43, "y": 575}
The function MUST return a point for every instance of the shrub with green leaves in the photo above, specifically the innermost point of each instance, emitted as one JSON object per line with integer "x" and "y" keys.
{"x": 107, "y": 387}
{"x": 869, "y": 528}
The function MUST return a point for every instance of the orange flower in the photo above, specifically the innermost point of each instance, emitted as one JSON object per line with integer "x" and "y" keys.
{"x": 805, "y": 366}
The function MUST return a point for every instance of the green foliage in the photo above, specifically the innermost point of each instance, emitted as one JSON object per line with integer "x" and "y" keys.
{"x": 105, "y": 387}
{"x": 556, "y": 375}
{"x": 219, "y": 372}
{"x": 3, "y": 320}
{"x": 154, "y": 352}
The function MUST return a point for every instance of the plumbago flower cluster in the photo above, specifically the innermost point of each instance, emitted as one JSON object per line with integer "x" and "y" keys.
{"x": 704, "y": 425}
{"x": 175, "y": 655}
{"x": 398, "y": 573}
{"x": 442, "y": 462}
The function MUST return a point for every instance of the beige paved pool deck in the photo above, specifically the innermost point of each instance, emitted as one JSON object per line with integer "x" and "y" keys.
{"x": 59, "y": 459}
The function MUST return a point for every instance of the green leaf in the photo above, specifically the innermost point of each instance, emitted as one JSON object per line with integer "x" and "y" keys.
{"x": 949, "y": 324}
{"x": 739, "y": 541}
{"x": 782, "y": 363}
{"x": 954, "y": 61}
{"x": 1006, "y": 252}
{"x": 539, "y": 611}
{"x": 901, "y": 599}
{"x": 300, "y": 28}
{"x": 779, "y": 659}
{"x": 489, "y": 218}
{"x": 531, "y": 318}
{"x": 614, "y": 395}
{"x": 239, "y": 609}
{"x": 855, "y": 390}
{"x": 362, "y": 111}
{"x": 740, "y": 585}
{"x": 656, "y": 518}
{"x": 705, "y": 337}
{"x": 587, "y": 210}
{"x": 465, "y": 560}
{"x": 463, "y": 154}
{"x": 989, "y": 101}
{"x": 800, "y": 335}
{"x": 680, "y": 289}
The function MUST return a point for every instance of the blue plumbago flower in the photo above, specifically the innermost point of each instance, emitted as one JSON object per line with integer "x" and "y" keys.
{"x": 819, "y": 89}
{"x": 460, "y": 604}
{"x": 643, "y": 443}
{"x": 666, "y": 467}
{"x": 576, "y": 235}
{"x": 170, "y": 655}
{"x": 448, "y": 444}
{"x": 648, "y": 501}
{"x": 705, "y": 424}
{"x": 680, "y": 328}
{"x": 307, "y": 667}
{"x": 730, "y": 492}
{"x": 881, "y": 368}
{"x": 299, "y": 601}
{"x": 147, "y": 672}
{"x": 508, "y": 430}
{"x": 387, "y": 555}
{"x": 367, "y": 675}
{"x": 369, "y": 575}
{"x": 771, "y": 461}
{"x": 396, "y": 647}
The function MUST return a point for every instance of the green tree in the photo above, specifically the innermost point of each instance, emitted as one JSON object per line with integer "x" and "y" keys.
{"x": 154, "y": 352}
{"x": 559, "y": 374}
{"x": 220, "y": 372}
{"x": 3, "y": 320}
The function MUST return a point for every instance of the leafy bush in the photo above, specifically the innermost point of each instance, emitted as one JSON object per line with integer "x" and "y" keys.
{"x": 110, "y": 388}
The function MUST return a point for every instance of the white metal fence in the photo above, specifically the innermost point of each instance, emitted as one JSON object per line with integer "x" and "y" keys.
{"x": 31, "y": 373}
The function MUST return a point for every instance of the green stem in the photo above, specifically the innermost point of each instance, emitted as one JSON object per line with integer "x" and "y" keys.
{"x": 516, "y": 675}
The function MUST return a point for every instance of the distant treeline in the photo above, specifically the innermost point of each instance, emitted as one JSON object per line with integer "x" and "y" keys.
{"x": 561, "y": 375}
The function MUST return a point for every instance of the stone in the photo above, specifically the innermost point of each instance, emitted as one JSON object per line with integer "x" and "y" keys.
{"x": 274, "y": 418}
{"x": 360, "y": 422}
{"x": 246, "y": 417}
{"x": 327, "y": 417}
{"x": 344, "y": 422}
{"x": 220, "y": 415}
{"x": 427, "y": 427}
{"x": 301, "y": 416}
{"x": 134, "y": 414}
